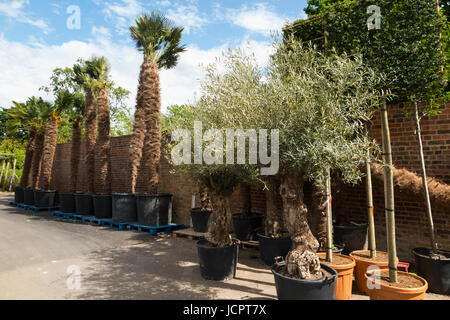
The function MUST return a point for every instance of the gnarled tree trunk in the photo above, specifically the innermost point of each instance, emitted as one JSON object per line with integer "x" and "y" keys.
{"x": 221, "y": 221}
{"x": 36, "y": 162}
{"x": 272, "y": 222}
{"x": 151, "y": 102}
{"x": 319, "y": 208}
{"x": 91, "y": 133}
{"x": 75, "y": 154}
{"x": 104, "y": 143}
{"x": 51, "y": 140}
{"x": 301, "y": 261}
{"x": 137, "y": 139}
{"x": 205, "y": 199}
{"x": 28, "y": 160}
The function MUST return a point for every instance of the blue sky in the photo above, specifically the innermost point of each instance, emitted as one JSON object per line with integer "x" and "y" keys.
{"x": 35, "y": 39}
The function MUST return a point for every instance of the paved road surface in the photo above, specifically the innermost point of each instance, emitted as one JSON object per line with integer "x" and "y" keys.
{"x": 37, "y": 250}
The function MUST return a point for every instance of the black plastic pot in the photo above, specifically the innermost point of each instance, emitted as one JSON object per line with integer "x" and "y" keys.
{"x": 67, "y": 202}
{"x": 44, "y": 198}
{"x": 84, "y": 204}
{"x": 218, "y": 263}
{"x": 154, "y": 210}
{"x": 354, "y": 237}
{"x": 435, "y": 271}
{"x": 28, "y": 197}
{"x": 245, "y": 226}
{"x": 201, "y": 220}
{"x": 124, "y": 207}
{"x": 103, "y": 206}
{"x": 19, "y": 195}
{"x": 271, "y": 248}
{"x": 293, "y": 289}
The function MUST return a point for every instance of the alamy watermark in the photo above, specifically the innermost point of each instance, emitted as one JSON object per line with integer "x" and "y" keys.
{"x": 74, "y": 279}
{"x": 374, "y": 21}
{"x": 234, "y": 140}
{"x": 74, "y": 20}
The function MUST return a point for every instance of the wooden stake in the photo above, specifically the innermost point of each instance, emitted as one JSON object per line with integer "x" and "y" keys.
{"x": 329, "y": 220}
{"x": 13, "y": 175}
{"x": 424, "y": 179}
{"x": 389, "y": 195}
{"x": 370, "y": 209}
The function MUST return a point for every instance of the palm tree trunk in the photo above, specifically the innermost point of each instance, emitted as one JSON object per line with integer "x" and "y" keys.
{"x": 91, "y": 133}
{"x": 221, "y": 221}
{"x": 75, "y": 154}
{"x": 36, "y": 162}
{"x": 104, "y": 143}
{"x": 301, "y": 260}
{"x": 151, "y": 103}
{"x": 424, "y": 180}
{"x": 389, "y": 194}
{"x": 51, "y": 140}
{"x": 137, "y": 139}
{"x": 28, "y": 159}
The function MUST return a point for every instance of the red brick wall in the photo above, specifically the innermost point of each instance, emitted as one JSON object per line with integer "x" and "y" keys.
{"x": 411, "y": 225}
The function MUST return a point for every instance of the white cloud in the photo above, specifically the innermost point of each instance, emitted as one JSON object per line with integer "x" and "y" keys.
{"x": 259, "y": 18}
{"x": 122, "y": 13}
{"x": 15, "y": 9}
{"x": 188, "y": 17}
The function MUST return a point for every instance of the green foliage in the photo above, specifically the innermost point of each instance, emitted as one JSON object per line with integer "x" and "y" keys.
{"x": 121, "y": 113}
{"x": 158, "y": 39}
{"x": 407, "y": 49}
{"x": 315, "y": 6}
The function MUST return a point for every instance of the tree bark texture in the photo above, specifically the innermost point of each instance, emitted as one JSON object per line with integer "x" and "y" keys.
{"x": 104, "y": 143}
{"x": 91, "y": 135}
{"x": 205, "y": 199}
{"x": 319, "y": 208}
{"x": 301, "y": 261}
{"x": 51, "y": 140}
{"x": 272, "y": 223}
{"x": 28, "y": 160}
{"x": 151, "y": 102}
{"x": 221, "y": 221}
{"x": 75, "y": 154}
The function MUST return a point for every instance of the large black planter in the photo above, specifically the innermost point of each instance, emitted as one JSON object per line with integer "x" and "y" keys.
{"x": 217, "y": 263}
{"x": 84, "y": 204}
{"x": 245, "y": 226}
{"x": 103, "y": 206}
{"x": 44, "y": 198}
{"x": 201, "y": 220}
{"x": 435, "y": 271}
{"x": 354, "y": 237}
{"x": 293, "y": 289}
{"x": 124, "y": 207}
{"x": 271, "y": 248}
{"x": 28, "y": 197}
{"x": 19, "y": 195}
{"x": 154, "y": 210}
{"x": 67, "y": 202}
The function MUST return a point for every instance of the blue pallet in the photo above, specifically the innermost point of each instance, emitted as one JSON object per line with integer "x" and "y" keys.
{"x": 114, "y": 225}
{"x": 12, "y": 203}
{"x": 21, "y": 205}
{"x": 36, "y": 209}
{"x": 156, "y": 230}
{"x": 67, "y": 216}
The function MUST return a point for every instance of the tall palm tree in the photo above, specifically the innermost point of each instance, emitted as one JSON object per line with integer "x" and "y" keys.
{"x": 76, "y": 116}
{"x": 84, "y": 77}
{"x": 159, "y": 40}
{"x": 101, "y": 74}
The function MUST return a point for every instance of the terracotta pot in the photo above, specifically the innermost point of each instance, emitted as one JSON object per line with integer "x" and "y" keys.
{"x": 344, "y": 282}
{"x": 361, "y": 269}
{"x": 384, "y": 292}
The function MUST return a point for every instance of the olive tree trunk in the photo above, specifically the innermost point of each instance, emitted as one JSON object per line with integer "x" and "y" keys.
{"x": 272, "y": 221}
{"x": 51, "y": 140}
{"x": 91, "y": 134}
{"x": 319, "y": 209}
{"x": 151, "y": 102}
{"x": 205, "y": 199}
{"x": 104, "y": 143}
{"x": 138, "y": 136}
{"x": 389, "y": 195}
{"x": 221, "y": 220}
{"x": 36, "y": 162}
{"x": 75, "y": 154}
{"x": 301, "y": 261}
{"x": 424, "y": 179}
{"x": 28, "y": 160}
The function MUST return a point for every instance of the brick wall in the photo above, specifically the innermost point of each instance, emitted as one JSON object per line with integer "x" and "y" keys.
{"x": 411, "y": 224}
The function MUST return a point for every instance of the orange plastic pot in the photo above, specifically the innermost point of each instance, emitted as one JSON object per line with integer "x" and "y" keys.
{"x": 380, "y": 291}
{"x": 344, "y": 282}
{"x": 361, "y": 269}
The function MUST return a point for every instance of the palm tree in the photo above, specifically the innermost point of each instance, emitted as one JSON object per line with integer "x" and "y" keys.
{"x": 84, "y": 77}
{"x": 159, "y": 40}
{"x": 76, "y": 116}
